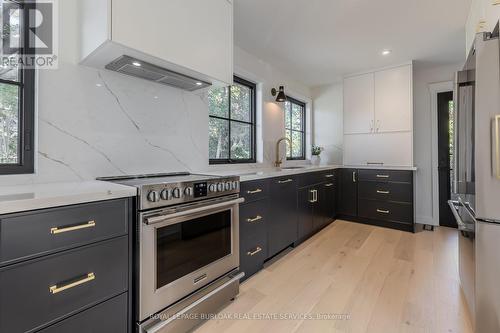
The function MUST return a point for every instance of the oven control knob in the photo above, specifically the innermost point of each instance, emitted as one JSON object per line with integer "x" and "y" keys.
{"x": 228, "y": 186}
{"x": 165, "y": 194}
{"x": 176, "y": 193}
{"x": 220, "y": 187}
{"x": 188, "y": 191}
{"x": 153, "y": 196}
{"x": 212, "y": 188}
{"x": 234, "y": 185}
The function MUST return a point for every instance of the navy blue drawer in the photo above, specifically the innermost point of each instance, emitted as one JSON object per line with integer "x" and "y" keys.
{"x": 386, "y": 211}
{"x": 398, "y": 192}
{"x": 110, "y": 316}
{"x": 26, "y": 235}
{"x": 401, "y": 176}
{"x": 254, "y": 190}
{"x": 253, "y": 253}
{"x": 253, "y": 218}
{"x": 42, "y": 291}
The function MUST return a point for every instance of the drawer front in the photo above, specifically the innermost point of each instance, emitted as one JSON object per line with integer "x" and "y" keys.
{"x": 48, "y": 289}
{"x": 312, "y": 178}
{"x": 254, "y": 190}
{"x": 385, "y": 175}
{"x": 253, "y": 217}
{"x": 386, "y": 211}
{"x": 253, "y": 252}
{"x": 41, "y": 232}
{"x": 110, "y": 316}
{"x": 399, "y": 192}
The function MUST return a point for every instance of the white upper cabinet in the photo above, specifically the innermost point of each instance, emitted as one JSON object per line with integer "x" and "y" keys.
{"x": 393, "y": 102}
{"x": 378, "y": 117}
{"x": 359, "y": 104}
{"x": 192, "y": 37}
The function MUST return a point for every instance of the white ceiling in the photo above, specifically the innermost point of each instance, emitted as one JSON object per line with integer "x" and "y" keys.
{"x": 318, "y": 41}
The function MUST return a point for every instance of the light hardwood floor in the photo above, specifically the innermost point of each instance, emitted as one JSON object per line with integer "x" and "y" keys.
{"x": 385, "y": 280}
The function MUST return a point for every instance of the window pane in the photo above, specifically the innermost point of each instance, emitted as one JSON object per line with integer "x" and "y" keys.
{"x": 296, "y": 144}
{"x": 12, "y": 31}
{"x": 296, "y": 117}
{"x": 240, "y": 103}
{"x": 9, "y": 124}
{"x": 218, "y": 145}
{"x": 288, "y": 120}
{"x": 289, "y": 136}
{"x": 241, "y": 141}
{"x": 218, "y": 102}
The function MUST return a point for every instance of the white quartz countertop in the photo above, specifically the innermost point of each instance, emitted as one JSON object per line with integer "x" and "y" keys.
{"x": 382, "y": 167}
{"x": 263, "y": 173}
{"x": 21, "y": 198}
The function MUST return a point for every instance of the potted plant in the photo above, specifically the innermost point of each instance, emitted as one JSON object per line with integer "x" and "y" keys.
{"x": 316, "y": 151}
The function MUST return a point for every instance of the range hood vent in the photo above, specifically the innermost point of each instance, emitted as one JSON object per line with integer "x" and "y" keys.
{"x": 144, "y": 70}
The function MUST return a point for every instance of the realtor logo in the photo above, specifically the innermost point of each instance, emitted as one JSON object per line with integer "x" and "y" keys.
{"x": 29, "y": 34}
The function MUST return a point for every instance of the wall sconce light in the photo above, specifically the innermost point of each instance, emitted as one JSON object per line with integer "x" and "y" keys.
{"x": 281, "y": 94}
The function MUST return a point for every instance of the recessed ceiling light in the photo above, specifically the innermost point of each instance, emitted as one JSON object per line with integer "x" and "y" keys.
{"x": 386, "y": 52}
{"x": 199, "y": 83}
{"x": 136, "y": 63}
{"x": 98, "y": 85}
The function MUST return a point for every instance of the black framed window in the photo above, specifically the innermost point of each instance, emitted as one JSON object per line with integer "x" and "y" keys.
{"x": 295, "y": 127}
{"x": 17, "y": 91}
{"x": 232, "y": 123}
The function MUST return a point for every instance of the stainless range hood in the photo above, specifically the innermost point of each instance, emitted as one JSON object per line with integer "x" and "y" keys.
{"x": 144, "y": 70}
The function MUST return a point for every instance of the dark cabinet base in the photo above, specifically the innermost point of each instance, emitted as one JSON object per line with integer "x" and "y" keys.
{"x": 379, "y": 223}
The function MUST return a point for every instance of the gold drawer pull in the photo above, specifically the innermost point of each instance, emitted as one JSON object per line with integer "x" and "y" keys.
{"x": 55, "y": 289}
{"x": 285, "y": 181}
{"x": 383, "y": 192}
{"x": 328, "y": 176}
{"x": 254, "y": 191}
{"x": 252, "y": 253}
{"x": 57, "y": 230}
{"x": 329, "y": 185}
{"x": 383, "y": 211}
{"x": 382, "y": 176}
{"x": 255, "y": 219}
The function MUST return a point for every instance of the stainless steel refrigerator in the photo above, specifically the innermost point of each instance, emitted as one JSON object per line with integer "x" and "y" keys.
{"x": 476, "y": 189}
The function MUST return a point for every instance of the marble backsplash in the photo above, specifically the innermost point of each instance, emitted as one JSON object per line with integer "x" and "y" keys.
{"x": 95, "y": 123}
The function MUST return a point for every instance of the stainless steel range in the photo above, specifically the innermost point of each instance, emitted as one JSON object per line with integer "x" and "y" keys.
{"x": 187, "y": 248}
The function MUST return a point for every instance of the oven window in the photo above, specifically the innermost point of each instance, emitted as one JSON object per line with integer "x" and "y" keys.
{"x": 184, "y": 247}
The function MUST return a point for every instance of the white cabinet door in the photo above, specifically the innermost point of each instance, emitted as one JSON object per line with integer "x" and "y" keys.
{"x": 393, "y": 102}
{"x": 196, "y": 34}
{"x": 358, "y": 104}
{"x": 391, "y": 149}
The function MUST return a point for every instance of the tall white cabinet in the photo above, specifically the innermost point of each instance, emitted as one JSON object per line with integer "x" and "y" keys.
{"x": 378, "y": 117}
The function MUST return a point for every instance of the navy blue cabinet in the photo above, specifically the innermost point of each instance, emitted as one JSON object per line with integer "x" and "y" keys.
{"x": 282, "y": 223}
{"x": 63, "y": 268}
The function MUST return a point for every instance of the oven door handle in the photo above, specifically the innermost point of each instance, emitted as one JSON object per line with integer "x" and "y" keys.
{"x": 162, "y": 324}
{"x": 161, "y": 218}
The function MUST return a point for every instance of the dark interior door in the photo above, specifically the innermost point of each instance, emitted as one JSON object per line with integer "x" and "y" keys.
{"x": 445, "y": 156}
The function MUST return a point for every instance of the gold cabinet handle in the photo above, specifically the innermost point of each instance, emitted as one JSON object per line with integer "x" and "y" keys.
{"x": 254, "y": 191}
{"x": 382, "y": 176}
{"x": 329, "y": 185}
{"x": 354, "y": 176}
{"x": 254, "y": 252}
{"x": 311, "y": 200}
{"x": 58, "y": 230}
{"x": 56, "y": 289}
{"x": 255, "y": 219}
{"x": 383, "y": 211}
{"x": 383, "y": 192}
{"x": 285, "y": 181}
{"x": 328, "y": 176}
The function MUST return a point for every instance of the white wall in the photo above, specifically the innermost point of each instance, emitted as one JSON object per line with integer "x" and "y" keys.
{"x": 328, "y": 121}
{"x": 422, "y": 77}
{"x": 98, "y": 123}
